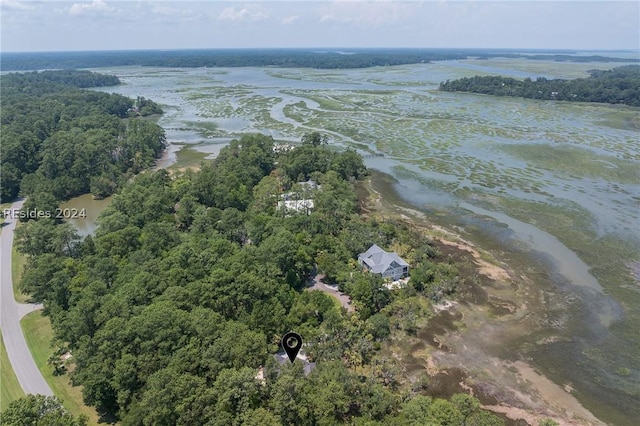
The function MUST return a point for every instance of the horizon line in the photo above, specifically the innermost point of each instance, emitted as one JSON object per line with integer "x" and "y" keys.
{"x": 334, "y": 48}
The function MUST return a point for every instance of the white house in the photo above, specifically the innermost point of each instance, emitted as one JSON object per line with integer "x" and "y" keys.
{"x": 295, "y": 206}
{"x": 299, "y": 200}
{"x": 388, "y": 265}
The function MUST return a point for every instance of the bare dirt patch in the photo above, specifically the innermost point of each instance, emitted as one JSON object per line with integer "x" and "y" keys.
{"x": 567, "y": 410}
{"x": 492, "y": 271}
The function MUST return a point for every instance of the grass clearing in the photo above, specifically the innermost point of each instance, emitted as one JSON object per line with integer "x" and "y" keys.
{"x": 10, "y": 389}
{"x": 39, "y": 335}
{"x": 18, "y": 260}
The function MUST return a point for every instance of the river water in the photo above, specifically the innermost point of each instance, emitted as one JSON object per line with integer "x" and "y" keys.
{"x": 555, "y": 182}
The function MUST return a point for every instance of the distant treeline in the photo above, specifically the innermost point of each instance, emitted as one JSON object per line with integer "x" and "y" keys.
{"x": 563, "y": 57}
{"x": 289, "y": 58}
{"x": 617, "y": 86}
{"x": 59, "y": 140}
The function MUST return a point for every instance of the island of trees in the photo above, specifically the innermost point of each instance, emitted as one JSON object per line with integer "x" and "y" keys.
{"x": 174, "y": 306}
{"x": 620, "y": 85}
{"x": 60, "y": 140}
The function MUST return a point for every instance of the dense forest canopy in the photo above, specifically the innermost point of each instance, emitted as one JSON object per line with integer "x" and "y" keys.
{"x": 293, "y": 58}
{"x": 187, "y": 286}
{"x": 620, "y": 85}
{"x": 59, "y": 140}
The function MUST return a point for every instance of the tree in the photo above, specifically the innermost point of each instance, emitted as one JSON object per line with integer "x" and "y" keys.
{"x": 416, "y": 411}
{"x": 336, "y": 202}
{"x": 237, "y": 392}
{"x": 376, "y": 401}
{"x": 469, "y": 407}
{"x": 236, "y": 347}
{"x": 466, "y": 404}
{"x": 266, "y": 195}
{"x": 186, "y": 210}
{"x": 315, "y": 139}
{"x": 288, "y": 396}
{"x": 46, "y": 278}
{"x": 10, "y": 178}
{"x": 349, "y": 165}
{"x": 444, "y": 413}
{"x": 332, "y": 393}
{"x": 369, "y": 293}
{"x": 292, "y": 259}
{"x": 171, "y": 398}
{"x": 44, "y": 236}
{"x": 259, "y": 417}
{"x": 40, "y": 205}
{"x": 39, "y": 410}
{"x": 378, "y": 326}
{"x": 301, "y": 162}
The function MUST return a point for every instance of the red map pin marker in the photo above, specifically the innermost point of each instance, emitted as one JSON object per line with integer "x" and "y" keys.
{"x": 292, "y": 342}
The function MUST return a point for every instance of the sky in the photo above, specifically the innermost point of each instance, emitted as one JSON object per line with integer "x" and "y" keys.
{"x": 119, "y": 25}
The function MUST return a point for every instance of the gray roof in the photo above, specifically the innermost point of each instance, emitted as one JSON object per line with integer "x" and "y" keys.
{"x": 307, "y": 366}
{"x": 311, "y": 184}
{"x": 379, "y": 260}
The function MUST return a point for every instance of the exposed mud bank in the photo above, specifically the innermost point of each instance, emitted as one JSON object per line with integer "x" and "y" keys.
{"x": 473, "y": 343}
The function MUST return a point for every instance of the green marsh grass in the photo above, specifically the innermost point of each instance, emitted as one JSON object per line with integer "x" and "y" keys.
{"x": 577, "y": 162}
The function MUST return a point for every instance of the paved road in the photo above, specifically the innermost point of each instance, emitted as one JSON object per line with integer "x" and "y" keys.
{"x": 344, "y": 300}
{"x": 11, "y": 311}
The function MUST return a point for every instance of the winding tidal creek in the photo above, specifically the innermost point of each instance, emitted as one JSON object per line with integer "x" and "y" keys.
{"x": 552, "y": 188}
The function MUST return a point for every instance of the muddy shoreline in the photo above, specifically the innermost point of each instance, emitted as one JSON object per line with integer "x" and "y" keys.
{"x": 468, "y": 345}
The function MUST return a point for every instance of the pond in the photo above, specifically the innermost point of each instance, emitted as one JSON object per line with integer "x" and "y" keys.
{"x": 88, "y": 210}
